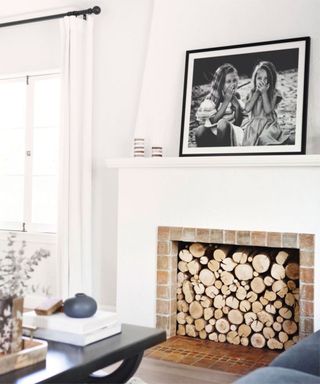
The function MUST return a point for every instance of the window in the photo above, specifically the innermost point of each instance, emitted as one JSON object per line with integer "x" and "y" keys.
{"x": 29, "y": 121}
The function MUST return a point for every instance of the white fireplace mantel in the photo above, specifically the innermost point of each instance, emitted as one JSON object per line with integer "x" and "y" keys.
{"x": 216, "y": 161}
{"x": 247, "y": 193}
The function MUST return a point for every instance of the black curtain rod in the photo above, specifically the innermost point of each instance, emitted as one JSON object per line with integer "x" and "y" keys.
{"x": 95, "y": 10}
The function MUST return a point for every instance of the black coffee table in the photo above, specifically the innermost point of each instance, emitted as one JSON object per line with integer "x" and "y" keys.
{"x": 67, "y": 363}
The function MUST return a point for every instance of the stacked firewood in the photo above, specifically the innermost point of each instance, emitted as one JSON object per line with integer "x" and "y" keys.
{"x": 242, "y": 295}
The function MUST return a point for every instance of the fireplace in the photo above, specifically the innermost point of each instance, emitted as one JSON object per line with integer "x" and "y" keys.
{"x": 169, "y": 239}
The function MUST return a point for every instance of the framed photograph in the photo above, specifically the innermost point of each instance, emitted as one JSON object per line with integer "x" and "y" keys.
{"x": 246, "y": 99}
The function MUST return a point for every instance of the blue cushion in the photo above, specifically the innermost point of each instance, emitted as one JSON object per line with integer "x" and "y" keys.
{"x": 304, "y": 356}
{"x": 278, "y": 375}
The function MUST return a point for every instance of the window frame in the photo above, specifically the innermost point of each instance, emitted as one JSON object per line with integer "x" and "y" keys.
{"x": 26, "y": 225}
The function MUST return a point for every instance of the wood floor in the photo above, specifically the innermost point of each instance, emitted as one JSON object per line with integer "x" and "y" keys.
{"x": 153, "y": 371}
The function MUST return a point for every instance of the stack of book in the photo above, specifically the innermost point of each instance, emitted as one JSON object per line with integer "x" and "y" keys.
{"x": 59, "y": 327}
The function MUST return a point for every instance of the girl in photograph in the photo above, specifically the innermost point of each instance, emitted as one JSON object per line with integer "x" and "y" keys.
{"x": 262, "y": 101}
{"x": 220, "y": 114}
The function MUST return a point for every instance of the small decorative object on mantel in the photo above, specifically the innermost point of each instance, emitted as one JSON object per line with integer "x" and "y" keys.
{"x": 138, "y": 147}
{"x": 248, "y": 99}
{"x": 156, "y": 151}
{"x": 80, "y": 306}
{"x": 15, "y": 269}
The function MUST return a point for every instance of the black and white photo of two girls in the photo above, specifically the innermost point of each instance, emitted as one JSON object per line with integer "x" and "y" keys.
{"x": 246, "y": 99}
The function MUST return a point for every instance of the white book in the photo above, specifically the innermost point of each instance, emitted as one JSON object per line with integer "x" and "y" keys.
{"x": 77, "y": 338}
{"x": 61, "y": 322}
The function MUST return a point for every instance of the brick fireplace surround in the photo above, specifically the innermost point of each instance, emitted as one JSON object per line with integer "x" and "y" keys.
{"x": 167, "y": 255}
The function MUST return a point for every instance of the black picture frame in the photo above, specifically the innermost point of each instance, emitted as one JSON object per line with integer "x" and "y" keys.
{"x": 221, "y": 82}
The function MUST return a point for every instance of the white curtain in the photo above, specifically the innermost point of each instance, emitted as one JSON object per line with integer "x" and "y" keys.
{"x": 75, "y": 173}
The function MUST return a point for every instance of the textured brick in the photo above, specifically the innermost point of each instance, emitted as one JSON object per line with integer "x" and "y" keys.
{"x": 163, "y": 233}
{"x": 173, "y": 278}
{"x": 173, "y": 307}
{"x": 163, "y": 248}
{"x": 173, "y": 321}
{"x": 306, "y": 242}
{"x": 208, "y": 354}
{"x": 290, "y": 240}
{"x": 163, "y": 307}
{"x": 243, "y": 237}
{"x": 162, "y": 322}
{"x": 216, "y": 236}
{"x": 163, "y": 262}
{"x": 163, "y": 277}
{"x": 173, "y": 262}
{"x": 176, "y": 233}
{"x": 174, "y": 248}
{"x": 306, "y": 308}
{"x": 202, "y": 235}
{"x": 188, "y": 234}
{"x": 306, "y": 325}
{"x": 259, "y": 238}
{"x": 173, "y": 292}
{"x": 306, "y": 259}
{"x": 306, "y": 275}
{"x": 229, "y": 237}
{"x": 163, "y": 292}
{"x": 170, "y": 333}
{"x": 307, "y": 292}
{"x": 274, "y": 239}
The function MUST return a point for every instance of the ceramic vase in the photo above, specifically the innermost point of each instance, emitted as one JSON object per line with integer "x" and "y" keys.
{"x": 80, "y": 306}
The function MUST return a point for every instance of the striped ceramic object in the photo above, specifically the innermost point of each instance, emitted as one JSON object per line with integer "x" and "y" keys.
{"x": 138, "y": 147}
{"x": 156, "y": 151}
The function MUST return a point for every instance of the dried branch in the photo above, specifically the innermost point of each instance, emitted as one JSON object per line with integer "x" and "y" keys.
{"x": 16, "y": 267}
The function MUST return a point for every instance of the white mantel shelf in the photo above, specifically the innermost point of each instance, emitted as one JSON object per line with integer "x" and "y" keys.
{"x": 223, "y": 161}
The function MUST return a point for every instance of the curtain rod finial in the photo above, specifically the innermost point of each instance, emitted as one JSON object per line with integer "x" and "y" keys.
{"x": 96, "y": 10}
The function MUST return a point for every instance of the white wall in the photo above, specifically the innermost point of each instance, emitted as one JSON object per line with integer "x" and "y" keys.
{"x": 273, "y": 199}
{"x": 122, "y": 40}
{"x": 180, "y": 25}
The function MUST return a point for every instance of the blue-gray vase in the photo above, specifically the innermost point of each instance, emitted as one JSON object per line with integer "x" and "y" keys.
{"x": 80, "y": 306}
